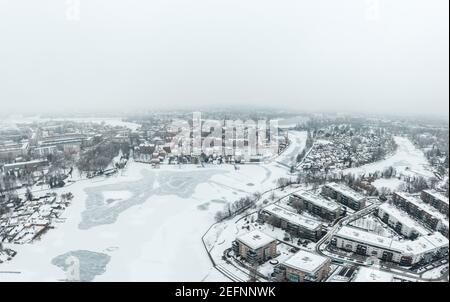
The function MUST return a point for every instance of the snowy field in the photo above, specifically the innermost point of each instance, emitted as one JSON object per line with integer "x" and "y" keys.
{"x": 145, "y": 224}
{"x": 407, "y": 160}
{"x": 389, "y": 183}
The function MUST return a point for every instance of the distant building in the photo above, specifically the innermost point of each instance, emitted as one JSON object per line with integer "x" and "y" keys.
{"x": 121, "y": 138}
{"x": 255, "y": 247}
{"x": 292, "y": 222}
{"x": 67, "y": 142}
{"x": 318, "y": 205}
{"x": 407, "y": 252}
{"x": 44, "y": 151}
{"x": 26, "y": 165}
{"x": 344, "y": 195}
{"x": 436, "y": 200}
{"x": 304, "y": 266}
{"x": 11, "y": 151}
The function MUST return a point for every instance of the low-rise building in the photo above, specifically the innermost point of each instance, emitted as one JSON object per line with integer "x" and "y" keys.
{"x": 11, "y": 151}
{"x": 305, "y": 266}
{"x": 318, "y": 205}
{"x": 292, "y": 222}
{"x": 255, "y": 247}
{"x": 400, "y": 221}
{"x": 344, "y": 195}
{"x": 424, "y": 212}
{"x": 26, "y": 165}
{"x": 67, "y": 142}
{"x": 436, "y": 200}
{"x": 407, "y": 252}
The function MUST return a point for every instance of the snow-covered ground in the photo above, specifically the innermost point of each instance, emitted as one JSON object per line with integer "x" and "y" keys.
{"x": 389, "y": 183}
{"x": 147, "y": 222}
{"x": 407, "y": 160}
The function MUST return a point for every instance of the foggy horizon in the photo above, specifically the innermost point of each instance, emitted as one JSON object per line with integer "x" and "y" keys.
{"x": 321, "y": 56}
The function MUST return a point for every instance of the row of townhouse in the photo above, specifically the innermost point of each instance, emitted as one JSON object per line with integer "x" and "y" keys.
{"x": 400, "y": 221}
{"x": 318, "y": 205}
{"x": 424, "y": 212}
{"x": 407, "y": 252}
{"x": 344, "y": 195}
{"x": 436, "y": 200}
{"x": 292, "y": 222}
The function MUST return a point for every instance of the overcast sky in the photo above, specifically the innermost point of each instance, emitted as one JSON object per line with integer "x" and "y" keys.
{"x": 347, "y": 55}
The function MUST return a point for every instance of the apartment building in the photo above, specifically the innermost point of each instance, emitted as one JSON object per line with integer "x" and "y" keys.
{"x": 435, "y": 199}
{"x": 292, "y": 222}
{"x": 424, "y": 212}
{"x": 318, "y": 205}
{"x": 305, "y": 266}
{"x": 10, "y": 151}
{"x": 400, "y": 221}
{"x": 27, "y": 165}
{"x": 344, "y": 195}
{"x": 255, "y": 247}
{"x": 407, "y": 252}
{"x": 67, "y": 142}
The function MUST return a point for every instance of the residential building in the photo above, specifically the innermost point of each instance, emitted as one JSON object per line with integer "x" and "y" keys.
{"x": 407, "y": 252}
{"x": 318, "y": 205}
{"x": 305, "y": 266}
{"x": 344, "y": 195}
{"x": 400, "y": 221}
{"x": 10, "y": 151}
{"x": 292, "y": 222}
{"x": 26, "y": 165}
{"x": 436, "y": 200}
{"x": 255, "y": 247}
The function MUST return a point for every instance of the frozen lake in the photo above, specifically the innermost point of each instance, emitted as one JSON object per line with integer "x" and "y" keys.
{"x": 143, "y": 225}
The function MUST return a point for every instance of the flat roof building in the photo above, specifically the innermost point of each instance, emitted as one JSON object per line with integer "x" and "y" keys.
{"x": 407, "y": 252}
{"x": 422, "y": 211}
{"x": 344, "y": 195}
{"x": 401, "y": 221}
{"x": 318, "y": 205}
{"x": 435, "y": 199}
{"x": 292, "y": 222}
{"x": 305, "y": 266}
{"x": 255, "y": 247}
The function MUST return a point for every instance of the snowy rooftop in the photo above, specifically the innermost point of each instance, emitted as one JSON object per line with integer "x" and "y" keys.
{"x": 424, "y": 206}
{"x": 346, "y": 191}
{"x": 292, "y": 217}
{"x": 403, "y": 218}
{"x": 255, "y": 239}
{"x": 318, "y": 200}
{"x": 418, "y": 246}
{"x": 437, "y": 195}
{"x": 306, "y": 262}
{"x": 368, "y": 274}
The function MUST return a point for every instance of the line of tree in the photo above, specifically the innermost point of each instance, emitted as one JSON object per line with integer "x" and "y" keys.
{"x": 237, "y": 207}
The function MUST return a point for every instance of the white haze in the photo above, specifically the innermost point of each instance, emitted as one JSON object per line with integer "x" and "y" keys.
{"x": 294, "y": 54}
